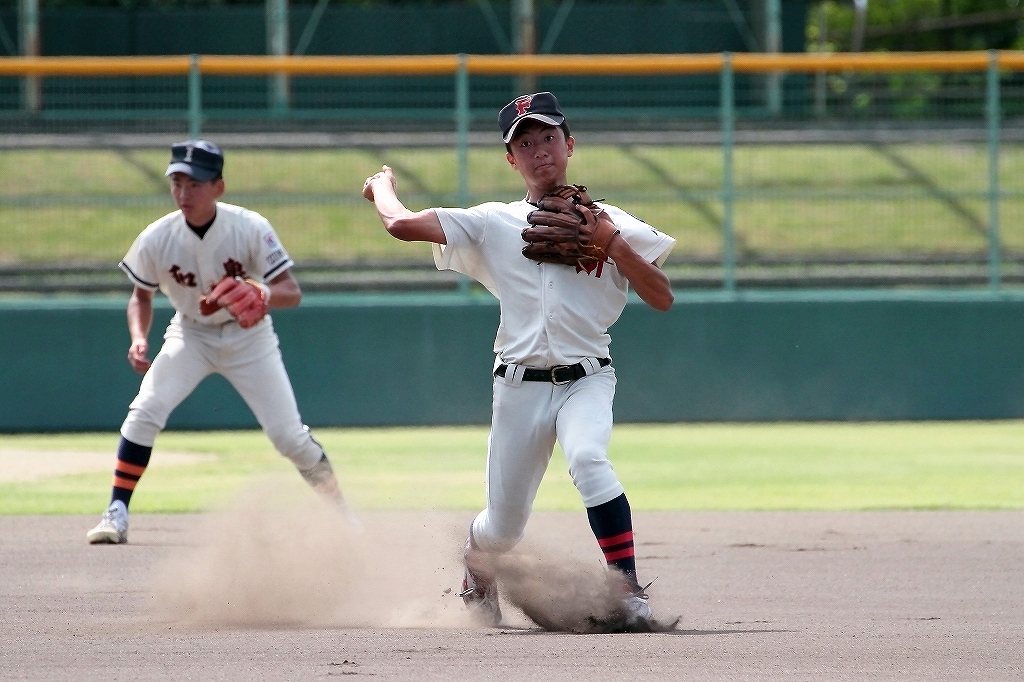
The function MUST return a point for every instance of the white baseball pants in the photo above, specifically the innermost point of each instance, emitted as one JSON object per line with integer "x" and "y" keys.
{"x": 526, "y": 421}
{"x": 250, "y": 359}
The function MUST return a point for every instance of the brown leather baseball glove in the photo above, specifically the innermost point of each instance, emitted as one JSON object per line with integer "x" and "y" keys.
{"x": 568, "y": 228}
{"x": 245, "y": 299}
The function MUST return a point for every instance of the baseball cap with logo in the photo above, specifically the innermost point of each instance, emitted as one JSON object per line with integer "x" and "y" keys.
{"x": 198, "y": 159}
{"x": 540, "y": 106}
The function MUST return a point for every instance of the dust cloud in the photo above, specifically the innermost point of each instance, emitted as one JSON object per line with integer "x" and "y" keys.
{"x": 278, "y": 556}
{"x": 281, "y": 557}
{"x": 559, "y": 593}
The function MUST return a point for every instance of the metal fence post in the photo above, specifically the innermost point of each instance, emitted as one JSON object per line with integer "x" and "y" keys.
{"x": 277, "y": 45}
{"x": 728, "y": 106}
{"x": 992, "y": 116}
{"x": 773, "y": 45}
{"x": 462, "y": 129}
{"x": 462, "y": 143}
{"x": 195, "y": 98}
{"x": 28, "y": 34}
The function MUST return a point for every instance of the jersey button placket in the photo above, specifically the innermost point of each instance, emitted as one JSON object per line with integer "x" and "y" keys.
{"x": 551, "y": 287}
{"x": 552, "y": 328}
{"x": 546, "y": 304}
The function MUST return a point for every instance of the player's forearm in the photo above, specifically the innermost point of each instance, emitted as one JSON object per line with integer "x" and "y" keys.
{"x": 380, "y": 189}
{"x": 389, "y": 206}
{"x": 140, "y": 316}
{"x": 285, "y": 291}
{"x": 399, "y": 221}
{"x": 648, "y": 281}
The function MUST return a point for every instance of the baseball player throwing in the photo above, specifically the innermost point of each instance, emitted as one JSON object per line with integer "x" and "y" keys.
{"x": 553, "y": 378}
{"x": 222, "y": 267}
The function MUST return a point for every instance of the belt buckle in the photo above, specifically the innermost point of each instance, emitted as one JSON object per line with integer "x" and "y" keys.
{"x": 558, "y": 367}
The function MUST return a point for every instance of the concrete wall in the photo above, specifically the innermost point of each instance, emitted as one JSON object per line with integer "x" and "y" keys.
{"x": 426, "y": 360}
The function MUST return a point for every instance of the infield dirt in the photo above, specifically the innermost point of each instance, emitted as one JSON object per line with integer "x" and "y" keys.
{"x": 289, "y": 592}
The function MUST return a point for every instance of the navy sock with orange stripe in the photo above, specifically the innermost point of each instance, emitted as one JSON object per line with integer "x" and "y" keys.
{"x": 612, "y": 524}
{"x": 132, "y": 460}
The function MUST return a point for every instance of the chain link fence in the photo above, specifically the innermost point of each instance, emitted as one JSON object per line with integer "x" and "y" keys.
{"x": 795, "y": 170}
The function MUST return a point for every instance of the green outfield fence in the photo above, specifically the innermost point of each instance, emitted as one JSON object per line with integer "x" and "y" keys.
{"x": 782, "y": 170}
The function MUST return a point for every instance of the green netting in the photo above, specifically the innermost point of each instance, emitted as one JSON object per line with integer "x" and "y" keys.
{"x": 836, "y": 178}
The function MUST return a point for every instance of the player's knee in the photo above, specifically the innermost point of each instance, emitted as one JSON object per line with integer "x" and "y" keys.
{"x": 594, "y": 477}
{"x": 142, "y": 427}
{"x": 499, "y": 530}
{"x": 297, "y": 445}
{"x": 588, "y": 463}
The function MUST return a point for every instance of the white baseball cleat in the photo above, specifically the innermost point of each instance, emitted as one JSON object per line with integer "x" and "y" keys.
{"x": 112, "y": 528}
{"x": 341, "y": 508}
{"x": 636, "y": 614}
{"x": 637, "y": 609}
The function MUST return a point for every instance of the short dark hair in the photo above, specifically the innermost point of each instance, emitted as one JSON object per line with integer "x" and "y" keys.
{"x": 220, "y": 176}
{"x": 563, "y": 125}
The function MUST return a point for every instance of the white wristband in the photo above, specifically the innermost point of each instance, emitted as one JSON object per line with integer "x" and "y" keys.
{"x": 262, "y": 286}
{"x": 266, "y": 292}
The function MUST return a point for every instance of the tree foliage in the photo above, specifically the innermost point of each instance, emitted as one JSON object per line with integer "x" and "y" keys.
{"x": 891, "y": 25}
{"x": 919, "y": 25}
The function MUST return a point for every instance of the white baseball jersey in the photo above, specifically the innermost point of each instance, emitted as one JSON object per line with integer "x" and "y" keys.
{"x": 551, "y": 314}
{"x": 169, "y": 256}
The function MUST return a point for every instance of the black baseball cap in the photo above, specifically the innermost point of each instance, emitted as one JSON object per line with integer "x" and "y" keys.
{"x": 198, "y": 159}
{"x": 540, "y": 106}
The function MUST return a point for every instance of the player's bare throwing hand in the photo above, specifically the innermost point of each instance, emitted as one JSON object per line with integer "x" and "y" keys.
{"x": 222, "y": 268}
{"x": 553, "y": 377}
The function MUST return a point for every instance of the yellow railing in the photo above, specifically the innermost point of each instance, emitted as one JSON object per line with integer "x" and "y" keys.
{"x": 420, "y": 65}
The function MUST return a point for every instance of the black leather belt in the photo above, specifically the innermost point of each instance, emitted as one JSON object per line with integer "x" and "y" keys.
{"x": 558, "y": 375}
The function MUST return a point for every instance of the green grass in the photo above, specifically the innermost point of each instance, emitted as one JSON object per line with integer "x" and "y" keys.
{"x": 831, "y": 466}
{"x": 88, "y": 205}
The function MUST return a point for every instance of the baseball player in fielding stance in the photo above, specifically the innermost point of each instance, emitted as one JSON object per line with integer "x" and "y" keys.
{"x": 553, "y": 378}
{"x": 222, "y": 267}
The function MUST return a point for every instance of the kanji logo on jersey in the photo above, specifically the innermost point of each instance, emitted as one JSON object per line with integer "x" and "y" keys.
{"x": 233, "y": 268}
{"x": 185, "y": 279}
{"x": 591, "y": 267}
